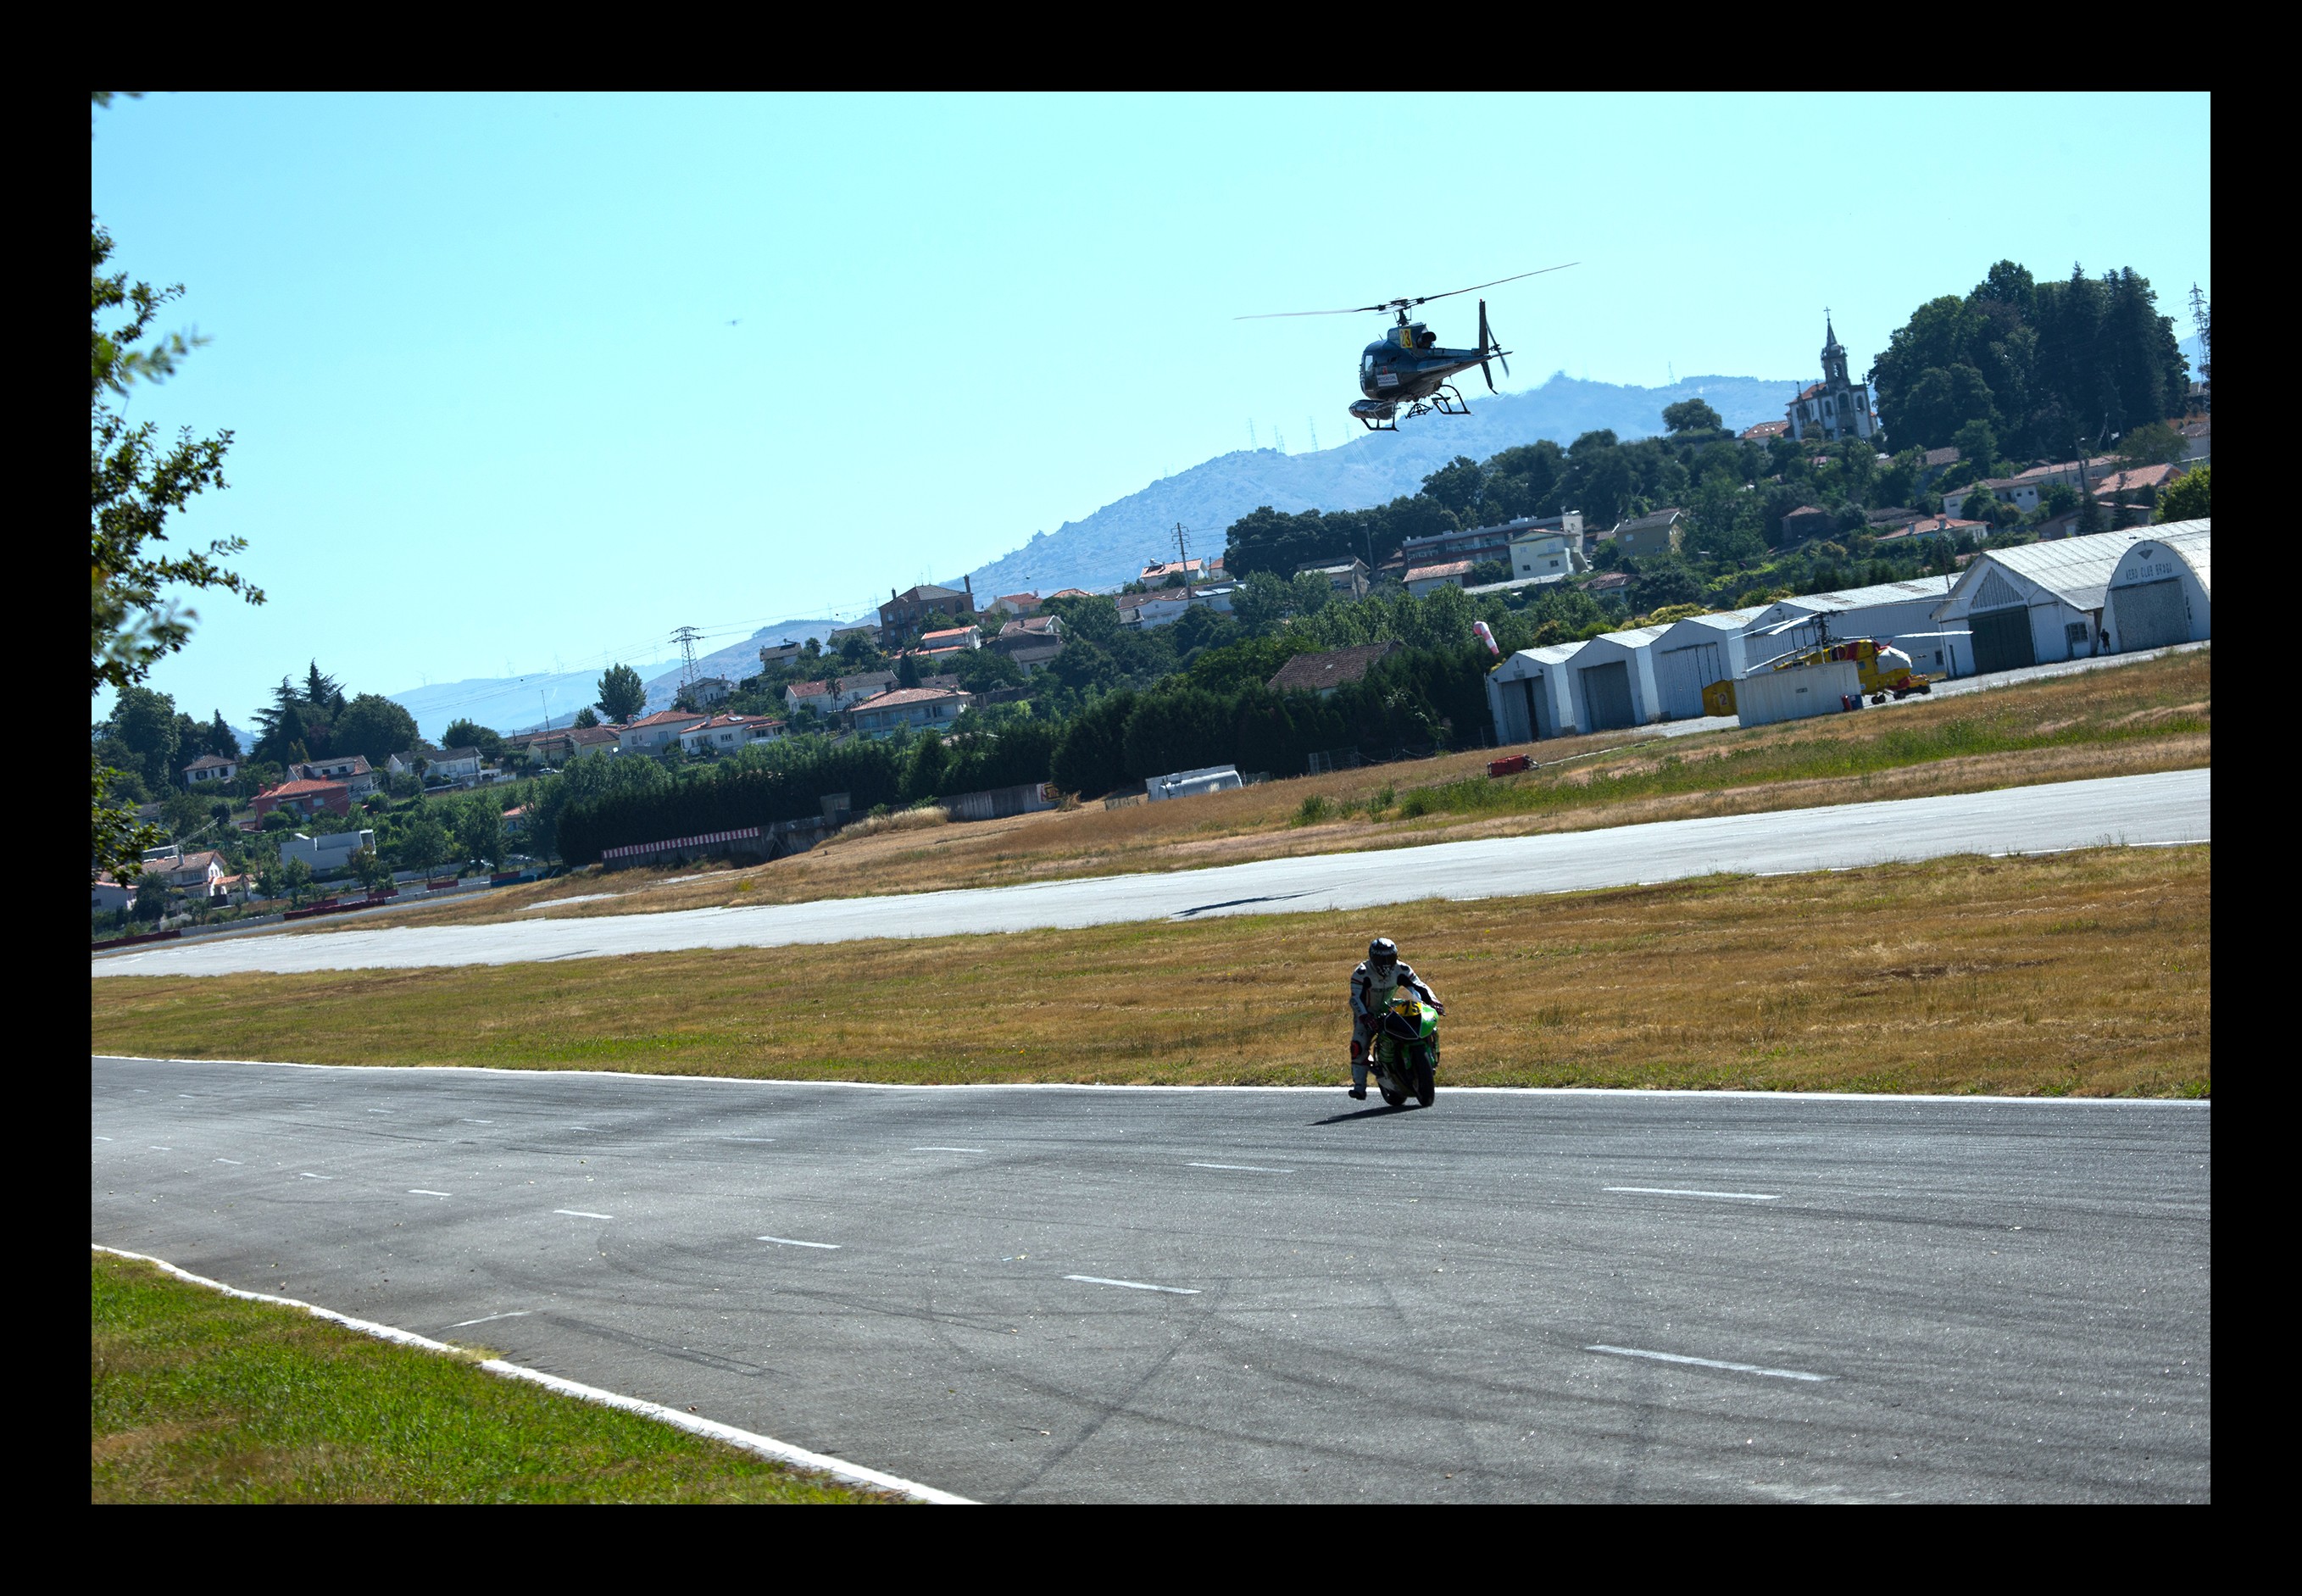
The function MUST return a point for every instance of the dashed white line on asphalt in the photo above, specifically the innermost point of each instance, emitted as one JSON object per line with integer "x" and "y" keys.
{"x": 582, "y": 1214}
{"x": 1252, "y": 1169}
{"x": 1732, "y": 1197}
{"x": 491, "y": 1318}
{"x": 1096, "y": 1280}
{"x": 308, "y": 1175}
{"x": 829, "y": 1246}
{"x": 476, "y": 1121}
{"x": 159, "y": 1149}
{"x": 757, "y": 1139}
{"x": 1707, "y": 1362}
{"x": 233, "y": 1161}
{"x": 102, "y": 1138}
{"x": 377, "y": 1111}
{"x": 420, "y": 1191}
{"x": 947, "y": 1149}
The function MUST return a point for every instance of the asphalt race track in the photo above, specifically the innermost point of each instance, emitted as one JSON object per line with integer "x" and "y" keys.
{"x": 2168, "y": 807}
{"x": 1234, "y": 1293}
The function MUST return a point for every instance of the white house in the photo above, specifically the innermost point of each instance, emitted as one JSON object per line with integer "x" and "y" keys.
{"x": 331, "y": 852}
{"x": 651, "y": 733}
{"x": 1158, "y": 608}
{"x": 1342, "y": 575}
{"x": 1692, "y": 653}
{"x": 706, "y": 691}
{"x": 1546, "y": 557}
{"x": 359, "y": 779}
{"x": 1901, "y": 613}
{"x": 2041, "y": 603}
{"x": 108, "y": 896}
{"x": 726, "y": 733}
{"x": 209, "y": 770}
{"x": 1430, "y": 579}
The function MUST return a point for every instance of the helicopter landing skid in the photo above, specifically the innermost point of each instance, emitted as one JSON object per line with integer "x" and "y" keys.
{"x": 1446, "y": 402}
{"x": 1388, "y": 423}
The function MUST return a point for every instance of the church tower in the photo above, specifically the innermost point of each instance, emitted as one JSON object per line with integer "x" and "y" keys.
{"x": 1834, "y": 359}
{"x": 1838, "y": 407}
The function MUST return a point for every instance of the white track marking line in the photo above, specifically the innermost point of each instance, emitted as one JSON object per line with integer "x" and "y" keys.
{"x": 947, "y": 1149}
{"x": 1096, "y": 1280}
{"x": 156, "y": 1148}
{"x": 375, "y": 1111}
{"x": 308, "y": 1175}
{"x": 582, "y": 1214}
{"x": 476, "y": 1121}
{"x": 829, "y": 1246}
{"x": 1252, "y": 1169}
{"x": 1709, "y": 1363}
{"x": 231, "y": 1160}
{"x": 420, "y": 1191}
{"x": 765, "y": 1446}
{"x": 101, "y": 1137}
{"x": 491, "y": 1318}
{"x": 756, "y": 1138}
{"x": 1732, "y": 1197}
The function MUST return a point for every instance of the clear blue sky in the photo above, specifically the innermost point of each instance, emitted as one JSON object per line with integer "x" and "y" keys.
{"x": 492, "y": 415}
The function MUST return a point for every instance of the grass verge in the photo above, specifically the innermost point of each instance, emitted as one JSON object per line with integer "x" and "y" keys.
{"x": 2151, "y": 715}
{"x": 2083, "y": 973}
{"x": 196, "y": 1397}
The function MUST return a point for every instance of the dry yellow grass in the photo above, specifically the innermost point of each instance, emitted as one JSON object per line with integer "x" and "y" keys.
{"x": 2088, "y": 973}
{"x": 2137, "y": 717}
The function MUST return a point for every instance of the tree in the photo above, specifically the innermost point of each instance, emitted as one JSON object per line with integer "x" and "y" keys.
{"x": 1977, "y": 442}
{"x": 907, "y": 670}
{"x": 296, "y": 879}
{"x": 478, "y": 828}
{"x": 2153, "y": 444}
{"x": 372, "y": 871}
{"x": 373, "y": 726}
{"x": 622, "y": 694}
{"x": 134, "y": 484}
{"x": 471, "y": 733}
{"x": 585, "y": 719}
{"x": 1692, "y": 416}
{"x": 422, "y": 843}
{"x": 145, "y": 723}
{"x": 1263, "y": 600}
{"x": 2188, "y": 497}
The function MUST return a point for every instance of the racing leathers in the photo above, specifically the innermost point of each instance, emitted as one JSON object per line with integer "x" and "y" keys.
{"x": 1371, "y": 994}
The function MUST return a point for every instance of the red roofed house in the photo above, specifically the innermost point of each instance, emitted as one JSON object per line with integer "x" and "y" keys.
{"x": 726, "y": 733}
{"x": 922, "y": 709}
{"x": 1189, "y": 570}
{"x": 303, "y": 796}
{"x": 1323, "y": 673}
{"x": 1426, "y": 579}
{"x": 653, "y": 732}
{"x": 1764, "y": 430}
{"x": 1013, "y": 604}
{"x": 950, "y": 640}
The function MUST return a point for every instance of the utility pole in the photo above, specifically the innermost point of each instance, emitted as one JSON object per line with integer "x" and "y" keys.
{"x": 685, "y": 638}
{"x": 1182, "y": 553}
{"x": 1314, "y": 425}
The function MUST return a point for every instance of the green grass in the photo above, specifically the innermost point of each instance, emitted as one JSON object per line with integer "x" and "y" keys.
{"x": 197, "y": 1396}
{"x": 1799, "y": 758}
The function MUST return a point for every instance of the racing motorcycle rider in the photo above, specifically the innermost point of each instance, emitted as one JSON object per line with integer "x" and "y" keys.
{"x": 1373, "y": 984}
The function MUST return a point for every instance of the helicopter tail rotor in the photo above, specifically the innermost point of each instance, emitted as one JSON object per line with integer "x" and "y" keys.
{"x": 1489, "y": 344}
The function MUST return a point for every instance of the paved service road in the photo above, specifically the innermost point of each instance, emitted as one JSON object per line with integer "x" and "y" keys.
{"x": 1135, "y": 1294}
{"x": 2173, "y": 806}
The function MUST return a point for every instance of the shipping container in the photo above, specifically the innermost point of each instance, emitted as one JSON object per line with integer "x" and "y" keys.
{"x": 1795, "y": 693}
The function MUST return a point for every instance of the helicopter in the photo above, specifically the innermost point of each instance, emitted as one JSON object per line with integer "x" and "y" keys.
{"x": 1406, "y": 367}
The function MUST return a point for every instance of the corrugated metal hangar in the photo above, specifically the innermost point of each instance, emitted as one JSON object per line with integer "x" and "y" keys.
{"x": 2112, "y": 593}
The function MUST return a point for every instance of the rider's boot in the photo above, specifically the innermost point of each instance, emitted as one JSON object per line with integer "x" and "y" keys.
{"x": 1358, "y": 1075}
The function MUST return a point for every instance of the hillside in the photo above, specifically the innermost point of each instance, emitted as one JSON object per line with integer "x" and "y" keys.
{"x": 1110, "y": 546}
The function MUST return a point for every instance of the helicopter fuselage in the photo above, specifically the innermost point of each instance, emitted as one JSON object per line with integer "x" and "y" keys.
{"x": 1405, "y": 364}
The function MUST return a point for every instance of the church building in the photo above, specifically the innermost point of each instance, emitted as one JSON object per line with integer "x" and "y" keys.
{"x": 1834, "y": 408}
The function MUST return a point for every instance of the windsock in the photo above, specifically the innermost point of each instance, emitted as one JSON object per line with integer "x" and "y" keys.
{"x": 1486, "y": 637}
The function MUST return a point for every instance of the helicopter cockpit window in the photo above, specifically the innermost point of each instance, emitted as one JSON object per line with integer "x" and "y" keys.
{"x": 1367, "y": 365}
{"x": 1425, "y": 341}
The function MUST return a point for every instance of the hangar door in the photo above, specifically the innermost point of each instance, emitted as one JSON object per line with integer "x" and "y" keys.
{"x": 1681, "y": 674}
{"x": 2150, "y": 614}
{"x": 1539, "y": 717}
{"x": 2001, "y": 639}
{"x": 1606, "y": 696}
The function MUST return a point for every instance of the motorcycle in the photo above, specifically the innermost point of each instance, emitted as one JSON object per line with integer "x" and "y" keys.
{"x": 1404, "y": 1055}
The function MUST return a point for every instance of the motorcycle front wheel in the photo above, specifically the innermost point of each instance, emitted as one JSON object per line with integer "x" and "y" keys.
{"x": 1426, "y": 1084}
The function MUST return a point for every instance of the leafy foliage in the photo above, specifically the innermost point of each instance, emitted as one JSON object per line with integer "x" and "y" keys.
{"x": 622, "y": 694}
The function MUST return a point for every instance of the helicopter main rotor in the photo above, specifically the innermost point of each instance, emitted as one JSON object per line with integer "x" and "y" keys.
{"x": 1400, "y": 307}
